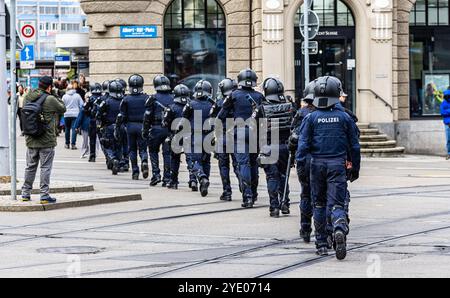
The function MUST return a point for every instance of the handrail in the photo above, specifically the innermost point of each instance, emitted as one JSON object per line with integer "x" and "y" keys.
{"x": 377, "y": 97}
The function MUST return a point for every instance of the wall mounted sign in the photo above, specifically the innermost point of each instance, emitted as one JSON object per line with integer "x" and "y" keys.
{"x": 138, "y": 31}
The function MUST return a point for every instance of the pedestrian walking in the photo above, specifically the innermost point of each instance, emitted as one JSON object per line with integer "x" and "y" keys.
{"x": 445, "y": 112}
{"x": 81, "y": 126}
{"x": 74, "y": 103}
{"x": 39, "y": 129}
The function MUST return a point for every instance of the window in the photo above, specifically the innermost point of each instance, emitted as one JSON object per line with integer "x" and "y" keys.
{"x": 48, "y": 10}
{"x": 194, "y": 14}
{"x": 194, "y": 42}
{"x": 430, "y": 13}
{"x": 331, "y": 13}
{"x": 26, "y": 9}
{"x": 47, "y": 50}
{"x": 70, "y": 10}
{"x": 70, "y": 27}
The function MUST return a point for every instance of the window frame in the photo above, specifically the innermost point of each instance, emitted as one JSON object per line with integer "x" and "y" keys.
{"x": 322, "y": 11}
{"x": 219, "y": 15}
{"x": 414, "y": 11}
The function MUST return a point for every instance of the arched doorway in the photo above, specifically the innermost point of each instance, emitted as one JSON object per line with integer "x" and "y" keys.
{"x": 194, "y": 42}
{"x": 337, "y": 48}
{"x": 429, "y": 56}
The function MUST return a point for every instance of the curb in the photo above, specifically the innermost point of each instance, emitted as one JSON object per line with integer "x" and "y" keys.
{"x": 62, "y": 189}
{"x": 73, "y": 204}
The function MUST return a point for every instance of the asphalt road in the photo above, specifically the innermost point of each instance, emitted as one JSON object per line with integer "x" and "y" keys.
{"x": 400, "y": 227}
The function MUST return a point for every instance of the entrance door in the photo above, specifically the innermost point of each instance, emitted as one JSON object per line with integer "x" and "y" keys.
{"x": 335, "y": 58}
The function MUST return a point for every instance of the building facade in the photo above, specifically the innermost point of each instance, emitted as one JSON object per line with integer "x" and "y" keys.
{"x": 390, "y": 54}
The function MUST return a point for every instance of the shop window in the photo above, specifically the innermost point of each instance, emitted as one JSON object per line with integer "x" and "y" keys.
{"x": 194, "y": 42}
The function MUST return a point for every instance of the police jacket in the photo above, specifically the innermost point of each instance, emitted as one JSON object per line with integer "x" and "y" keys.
{"x": 195, "y": 107}
{"x": 241, "y": 104}
{"x": 110, "y": 109}
{"x": 133, "y": 107}
{"x": 299, "y": 116}
{"x": 329, "y": 133}
{"x": 174, "y": 112}
{"x": 155, "y": 109}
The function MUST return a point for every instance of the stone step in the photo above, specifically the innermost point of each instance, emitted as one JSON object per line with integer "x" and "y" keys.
{"x": 363, "y": 125}
{"x": 383, "y": 152}
{"x": 379, "y": 144}
{"x": 374, "y": 138}
{"x": 369, "y": 131}
{"x": 65, "y": 200}
{"x": 55, "y": 187}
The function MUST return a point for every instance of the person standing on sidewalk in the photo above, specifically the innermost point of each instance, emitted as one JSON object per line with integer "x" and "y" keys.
{"x": 42, "y": 149}
{"x": 73, "y": 102}
{"x": 445, "y": 112}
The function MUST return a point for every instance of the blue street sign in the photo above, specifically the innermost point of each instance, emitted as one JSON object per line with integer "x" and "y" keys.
{"x": 138, "y": 31}
{"x": 27, "y": 53}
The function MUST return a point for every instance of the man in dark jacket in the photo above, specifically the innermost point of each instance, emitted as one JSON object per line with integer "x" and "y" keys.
{"x": 42, "y": 149}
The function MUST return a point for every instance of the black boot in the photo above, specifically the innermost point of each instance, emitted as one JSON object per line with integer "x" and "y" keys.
{"x": 322, "y": 251}
{"x": 285, "y": 209}
{"x": 306, "y": 236}
{"x": 275, "y": 213}
{"x": 340, "y": 242}
{"x": 204, "y": 184}
{"x": 193, "y": 185}
{"x": 226, "y": 196}
{"x": 115, "y": 167}
{"x": 248, "y": 203}
{"x": 145, "y": 170}
{"x": 172, "y": 185}
{"x": 155, "y": 180}
{"x": 91, "y": 159}
{"x": 135, "y": 176}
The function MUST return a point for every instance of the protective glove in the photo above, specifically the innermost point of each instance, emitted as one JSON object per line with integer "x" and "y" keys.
{"x": 293, "y": 142}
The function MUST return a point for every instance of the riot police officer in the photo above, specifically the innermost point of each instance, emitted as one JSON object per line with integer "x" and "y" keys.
{"x": 90, "y": 109}
{"x": 306, "y": 206}
{"x": 200, "y": 106}
{"x": 174, "y": 112}
{"x": 226, "y": 87}
{"x": 240, "y": 104}
{"x": 108, "y": 111}
{"x": 154, "y": 131}
{"x": 132, "y": 111}
{"x": 274, "y": 157}
{"x": 329, "y": 135}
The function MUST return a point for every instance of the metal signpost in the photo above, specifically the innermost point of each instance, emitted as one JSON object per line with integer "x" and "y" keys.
{"x": 309, "y": 27}
{"x": 4, "y": 140}
{"x": 12, "y": 123}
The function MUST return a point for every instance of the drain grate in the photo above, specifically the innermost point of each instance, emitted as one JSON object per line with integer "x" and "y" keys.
{"x": 71, "y": 250}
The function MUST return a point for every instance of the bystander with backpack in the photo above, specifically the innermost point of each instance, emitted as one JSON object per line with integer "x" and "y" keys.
{"x": 39, "y": 115}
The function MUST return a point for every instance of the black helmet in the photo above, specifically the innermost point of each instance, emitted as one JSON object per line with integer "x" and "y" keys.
{"x": 161, "y": 83}
{"x": 136, "y": 83}
{"x": 247, "y": 78}
{"x": 308, "y": 93}
{"x": 181, "y": 93}
{"x": 116, "y": 89}
{"x": 274, "y": 90}
{"x": 122, "y": 82}
{"x": 203, "y": 89}
{"x": 105, "y": 85}
{"x": 96, "y": 88}
{"x": 227, "y": 86}
{"x": 327, "y": 92}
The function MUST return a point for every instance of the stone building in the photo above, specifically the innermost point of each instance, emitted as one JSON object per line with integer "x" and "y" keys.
{"x": 388, "y": 53}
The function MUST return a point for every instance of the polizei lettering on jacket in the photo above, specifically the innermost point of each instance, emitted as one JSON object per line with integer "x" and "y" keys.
{"x": 328, "y": 120}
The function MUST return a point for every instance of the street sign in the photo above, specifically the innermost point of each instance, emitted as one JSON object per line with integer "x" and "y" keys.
{"x": 28, "y": 31}
{"x": 62, "y": 60}
{"x": 138, "y": 31}
{"x": 314, "y": 24}
{"x": 313, "y": 47}
{"x": 27, "y": 60}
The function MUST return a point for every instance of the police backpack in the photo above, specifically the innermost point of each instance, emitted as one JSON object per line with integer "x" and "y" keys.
{"x": 32, "y": 118}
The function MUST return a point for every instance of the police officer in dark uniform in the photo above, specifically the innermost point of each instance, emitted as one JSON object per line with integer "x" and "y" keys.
{"x": 306, "y": 205}
{"x": 274, "y": 156}
{"x": 329, "y": 135}
{"x": 174, "y": 112}
{"x": 125, "y": 161}
{"x": 226, "y": 87}
{"x": 90, "y": 109}
{"x": 132, "y": 111}
{"x": 200, "y": 106}
{"x": 154, "y": 131}
{"x": 108, "y": 111}
{"x": 241, "y": 104}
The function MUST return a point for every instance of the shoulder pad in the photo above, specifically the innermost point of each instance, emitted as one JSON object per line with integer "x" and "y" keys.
{"x": 150, "y": 101}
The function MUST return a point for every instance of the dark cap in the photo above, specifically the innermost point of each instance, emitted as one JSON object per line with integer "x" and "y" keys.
{"x": 46, "y": 81}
